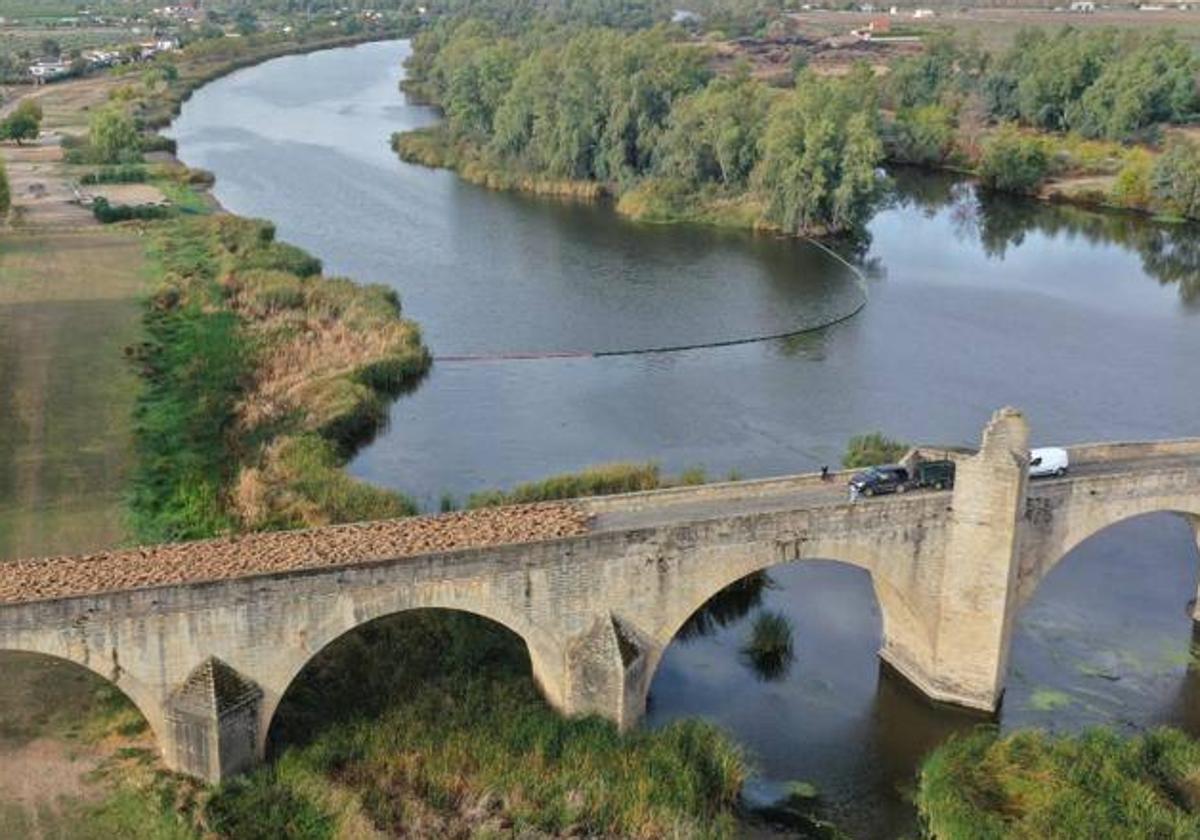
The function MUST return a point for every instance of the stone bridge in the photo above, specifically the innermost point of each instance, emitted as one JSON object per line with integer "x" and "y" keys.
{"x": 206, "y": 637}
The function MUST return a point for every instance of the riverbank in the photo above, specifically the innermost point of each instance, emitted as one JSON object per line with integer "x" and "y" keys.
{"x": 697, "y": 143}
{"x": 297, "y": 371}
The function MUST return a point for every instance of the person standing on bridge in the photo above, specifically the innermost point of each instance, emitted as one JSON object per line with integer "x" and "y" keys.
{"x": 853, "y": 493}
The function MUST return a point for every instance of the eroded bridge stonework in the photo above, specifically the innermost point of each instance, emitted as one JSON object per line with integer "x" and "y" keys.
{"x": 207, "y": 661}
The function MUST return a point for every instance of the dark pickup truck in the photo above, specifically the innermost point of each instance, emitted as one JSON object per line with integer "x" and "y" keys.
{"x": 875, "y": 481}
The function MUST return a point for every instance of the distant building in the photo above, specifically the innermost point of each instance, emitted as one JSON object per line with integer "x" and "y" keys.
{"x": 685, "y": 18}
{"x": 920, "y": 14}
{"x": 1083, "y": 6}
{"x": 48, "y": 70}
{"x": 880, "y": 24}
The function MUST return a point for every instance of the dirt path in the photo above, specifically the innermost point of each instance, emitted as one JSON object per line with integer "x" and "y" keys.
{"x": 38, "y": 773}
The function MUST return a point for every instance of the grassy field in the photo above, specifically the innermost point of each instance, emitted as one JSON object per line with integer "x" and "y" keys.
{"x": 68, "y": 307}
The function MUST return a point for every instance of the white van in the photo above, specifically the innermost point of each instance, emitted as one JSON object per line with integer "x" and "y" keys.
{"x": 1049, "y": 460}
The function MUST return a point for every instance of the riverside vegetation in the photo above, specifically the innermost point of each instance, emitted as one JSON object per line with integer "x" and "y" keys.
{"x": 641, "y": 117}
{"x": 259, "y": 377}
{"x": 471, "y": 748}
{"x": 1030, "y": 784}
{"x": 1076, "y": 115}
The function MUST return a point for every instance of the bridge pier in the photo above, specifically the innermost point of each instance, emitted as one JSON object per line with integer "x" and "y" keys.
{"x": 212, "y": 723}
{"x": 1195, "y": 523}
{"x": 976, "y": 603}
{"x": 608, "y": 671}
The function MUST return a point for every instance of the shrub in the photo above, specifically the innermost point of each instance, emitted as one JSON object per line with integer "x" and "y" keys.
{"x": 1176, "y": 179}
{"x": 266, "y": 809}
{"x": 1133, "y": 186}
{"x": 922, "y": 135}
{"x": 113, "y": 137}
{"x": 157, "y": 143}
{"x": 871, "y": 449}
{"x": 1013, "y": 162}
{"x": 593, "y": 481}
{"x": 127, "y": 174}
{"x": 1032, "y": 784}
{"x": 436, "y": 723}
{"x": 24, "y": 123}
{"x": 107, "y": 213}
{"x": 769, "y": 649}
{"x": 5, "y": 192}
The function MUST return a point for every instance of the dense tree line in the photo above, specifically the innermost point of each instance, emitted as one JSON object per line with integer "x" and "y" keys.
{"x": 1097, "y": 83}
{"x": 642, "y": 112}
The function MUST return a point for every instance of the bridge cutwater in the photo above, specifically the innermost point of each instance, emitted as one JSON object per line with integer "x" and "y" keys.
{"x": 206, "y": 637}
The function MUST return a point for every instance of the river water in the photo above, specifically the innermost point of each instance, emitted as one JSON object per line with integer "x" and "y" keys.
{"x": 1089, "y": 322}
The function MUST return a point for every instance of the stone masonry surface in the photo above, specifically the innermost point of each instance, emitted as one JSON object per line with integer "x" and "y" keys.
{"x": 252, "y": 554}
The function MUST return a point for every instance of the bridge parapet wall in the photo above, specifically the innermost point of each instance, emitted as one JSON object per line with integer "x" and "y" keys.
{"x": 1092, "y": 453}
{"x": 732, "y": 490}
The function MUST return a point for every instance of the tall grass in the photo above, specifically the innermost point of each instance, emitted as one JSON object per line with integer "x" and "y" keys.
{"x": 769, "y": 650}
{"x": 192, "y": 367}
{"x": 1031, "y": 784}
{"x": 602, "y": 480}
{"x": 430, "y": 724}
{"x": 261, "y": 377}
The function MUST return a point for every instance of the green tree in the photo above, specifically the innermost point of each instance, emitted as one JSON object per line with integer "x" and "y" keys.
{"x": 246, "y": 21}
{"x": 1154, "y": 81}
{"x": 1013, "y": 162}
{"x": 596, "y": 106}
{"x": 113, "y": 136}
{"x": 819, "y": 153}
{"x": 924, "y": 79}
{"x": 23, "y": 123}
{"x": 5, "y": 192}
{"x": 871, "y": 449}
{"x": 1133, "y": 187}
{"x": 714, "y": 134}
{"x": 1176, "y": 179}
{"x": 923, "y": 135}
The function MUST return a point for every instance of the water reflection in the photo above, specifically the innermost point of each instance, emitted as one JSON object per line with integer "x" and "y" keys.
{"x": 770, "y": 650}
{"x": 731, "y": 604}
{"x": 1170, "y": 253}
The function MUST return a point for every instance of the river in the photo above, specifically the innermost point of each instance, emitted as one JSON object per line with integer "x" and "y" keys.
{"x": 1088, "y": 322}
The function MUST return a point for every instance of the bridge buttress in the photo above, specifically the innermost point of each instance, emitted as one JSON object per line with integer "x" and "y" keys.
{"x": 213, "y": 722}
{"x": 976, "y": 599}
{"x": 608, "y": 671}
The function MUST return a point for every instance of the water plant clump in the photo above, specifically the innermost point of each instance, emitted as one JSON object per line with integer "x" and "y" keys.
{"x": 769, "y": 650}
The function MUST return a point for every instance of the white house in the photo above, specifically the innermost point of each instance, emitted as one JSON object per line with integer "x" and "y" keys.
{"x": 48, "y": 71}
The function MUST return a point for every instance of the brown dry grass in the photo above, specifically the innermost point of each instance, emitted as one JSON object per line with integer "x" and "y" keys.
{"x": 328, "y": 329}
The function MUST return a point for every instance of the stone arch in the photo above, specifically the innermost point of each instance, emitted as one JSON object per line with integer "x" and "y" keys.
{"x": 147, "y": 702}
{"x": 1089, "y": 522}
{"x": 903, "y": 635}
{"x": 546, "y": 656}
